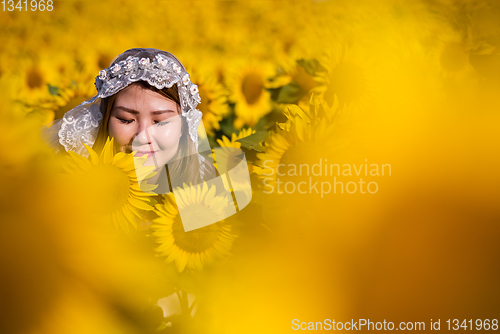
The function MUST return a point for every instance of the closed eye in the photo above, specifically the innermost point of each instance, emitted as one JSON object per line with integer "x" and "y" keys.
{"x": 125, "y": 121}
{"x": 162, "y": 123}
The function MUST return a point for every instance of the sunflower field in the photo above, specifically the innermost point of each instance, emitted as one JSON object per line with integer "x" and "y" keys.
{"x": 371, "y": 132}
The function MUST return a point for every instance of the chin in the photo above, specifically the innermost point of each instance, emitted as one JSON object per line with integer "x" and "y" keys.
{"x": 161, "y": 158}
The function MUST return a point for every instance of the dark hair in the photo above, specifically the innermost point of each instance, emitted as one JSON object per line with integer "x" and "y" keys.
{"x": 186, "y": 165}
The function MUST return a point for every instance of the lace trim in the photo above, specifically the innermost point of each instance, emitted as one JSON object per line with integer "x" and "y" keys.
{"x": 80, "y": 126}
{"x": 162, "y": 72}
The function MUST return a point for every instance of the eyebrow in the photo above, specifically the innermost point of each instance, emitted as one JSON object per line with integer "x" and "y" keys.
{"x": 135, "y": 112}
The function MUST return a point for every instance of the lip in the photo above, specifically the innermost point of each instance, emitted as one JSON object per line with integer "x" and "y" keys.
{"x": 142, "y": 153}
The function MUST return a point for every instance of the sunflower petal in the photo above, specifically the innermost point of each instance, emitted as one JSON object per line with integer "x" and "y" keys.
{"x": 118, "y": 156}
{"x": 139, "y": 204}
{"x": 94, "y": 158}
{"x": 107, "y": 151}
{"x": 129, "y": 215}
{"x": 182, "y": 261}
{"x": 209, "y": 196}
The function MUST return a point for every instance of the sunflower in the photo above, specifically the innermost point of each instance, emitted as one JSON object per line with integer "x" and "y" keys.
{"x": 200, "y": 247}
{"x": 92, "y": 61}
{"x": 36, "y": 72}
{"x": 310, "y": 137}
{"x": 449, "y": 56}
{"x": 63, "y": 100}
{"x": 213, "y": 106}
{"x": 33, "y": 79}
{"x": 248, "y": 85}
{"x": 349, "y": 75}
{"x": 307, "y": 136}
{"x": 111, "y": 183}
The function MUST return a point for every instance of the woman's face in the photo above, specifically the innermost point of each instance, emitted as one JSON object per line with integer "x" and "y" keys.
{"x": 144, "y": 121}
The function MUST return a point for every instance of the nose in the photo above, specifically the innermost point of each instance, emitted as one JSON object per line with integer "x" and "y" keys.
{"x": 144, "y": 135}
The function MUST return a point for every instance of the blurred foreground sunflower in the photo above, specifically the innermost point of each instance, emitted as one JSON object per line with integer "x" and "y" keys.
{"x": 111, "y": 184}
{"x": 350, "y": 75}
{"x": 307, "y": 136}
{"x": 198, "y": 248}
{"x": 448, "y": 55}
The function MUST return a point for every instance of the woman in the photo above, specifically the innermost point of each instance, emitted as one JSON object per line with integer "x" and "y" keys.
{"x": 147, "y": 103}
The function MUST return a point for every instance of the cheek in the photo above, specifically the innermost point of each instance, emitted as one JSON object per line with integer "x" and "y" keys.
{"x": 168, "y": 136}
{"x": 121, "y": 133}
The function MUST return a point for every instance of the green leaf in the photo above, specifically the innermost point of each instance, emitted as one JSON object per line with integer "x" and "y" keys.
{"x": 268, "y": 122}
{"x": 258, "y": 148}
{"x": 212, "y": 141}
{"x": 256, "y": 138}
{"x": 53, "y": 90}
{"x": 274, "y": 92}
{"x": 251, "y": 157}
{"x": 254, "y": 141}
{"x": 311, "y": 66}
{"x": 152, "y": 201}
{"x": 227, "y": 126}
{"x": 290, "y": 93}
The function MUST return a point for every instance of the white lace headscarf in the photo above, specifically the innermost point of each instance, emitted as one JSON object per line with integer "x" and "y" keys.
{"x": 160, "y": 69}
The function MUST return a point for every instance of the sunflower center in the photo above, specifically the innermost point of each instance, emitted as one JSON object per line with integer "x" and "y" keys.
{"x": 296, "y": 155}
{"x": 348, "y": 82}
{"x": 112, "y": 188}
{"x": 252, "y": 87}
{"x": 454, "y": 58}
{"x": 34, "y": 79}
{"x": 302, "y": 161}
{"x": 302, "y": 152}
{"x": 198, "y": 240}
